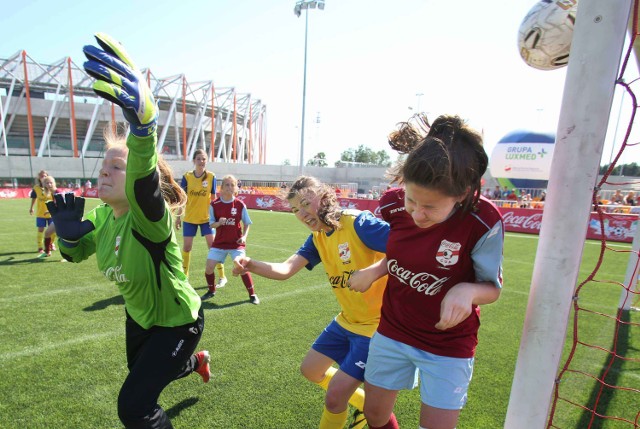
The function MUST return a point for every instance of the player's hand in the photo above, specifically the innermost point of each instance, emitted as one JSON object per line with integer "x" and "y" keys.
{"x": 178, "y": 223}
{"x": 120, "y": 81}
{"x": 241, "y": 241}
{"x": 66, "y": 211}
{"x": 359, "y": 281}
{"x": 456, "y": 306}
{"x": 240, "y": 265}
{"x": 31, "y": 211}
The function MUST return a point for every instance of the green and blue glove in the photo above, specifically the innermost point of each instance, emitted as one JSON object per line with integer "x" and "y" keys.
{"x": 119, "y": 81}
{"x": 67, "y": 211}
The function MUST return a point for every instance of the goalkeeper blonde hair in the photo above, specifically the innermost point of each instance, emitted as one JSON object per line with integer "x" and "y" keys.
{"x": 171, "y": 191}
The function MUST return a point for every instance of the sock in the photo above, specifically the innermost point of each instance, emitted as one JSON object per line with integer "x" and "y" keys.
{"x": 333, "y": 421}
{"x": 47, "y": 245}
{"x": 211, "y": 281}
{"x": 186, "y": 258}
{"x": 248, "y": 283}
{"x": 356, "y": 400}
{"x": 40, "y": 239}
{"x": 220, "y": 270}
{"x": 391, "y": 424}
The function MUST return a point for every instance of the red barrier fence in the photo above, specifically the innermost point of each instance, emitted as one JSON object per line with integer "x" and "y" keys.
{"x": 617, "y": 227}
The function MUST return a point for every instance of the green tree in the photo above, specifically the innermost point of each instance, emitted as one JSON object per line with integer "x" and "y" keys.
{"x": 365, "y": 155}
{"x": 320, "y": 160}
{"x": 632, "y": 169}
{"x": 286, "y": 162}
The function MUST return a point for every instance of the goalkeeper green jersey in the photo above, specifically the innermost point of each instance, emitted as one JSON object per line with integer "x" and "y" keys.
{"x": 139, "y": 251}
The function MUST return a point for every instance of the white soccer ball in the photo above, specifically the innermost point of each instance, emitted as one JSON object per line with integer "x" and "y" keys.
{"x": 545, "y": 34}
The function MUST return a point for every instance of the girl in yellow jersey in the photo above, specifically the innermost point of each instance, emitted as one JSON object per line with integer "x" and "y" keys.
{"x": 200, "y": 187}
{"x": 42, "y": 192}
{"x": 344, "y": 241}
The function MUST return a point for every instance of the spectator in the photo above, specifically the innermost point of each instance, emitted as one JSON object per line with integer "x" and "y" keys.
{"x": 505, "y": 193}
{"x": 496, "y": 193}
{"x": 617, "y": 197}
{"x": 630, "y": 199}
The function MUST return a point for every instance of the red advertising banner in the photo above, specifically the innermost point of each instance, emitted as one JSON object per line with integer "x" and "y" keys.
{"x": 617, "y": 227}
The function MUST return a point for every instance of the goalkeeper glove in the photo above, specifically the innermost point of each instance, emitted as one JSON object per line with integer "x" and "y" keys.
{"x": 120, "y": 81}
{"x": 66, "y": 212}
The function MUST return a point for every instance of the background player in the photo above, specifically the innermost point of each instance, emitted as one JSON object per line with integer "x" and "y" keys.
{"x": 229, "y": 216}
{"x": 200, "y": 187}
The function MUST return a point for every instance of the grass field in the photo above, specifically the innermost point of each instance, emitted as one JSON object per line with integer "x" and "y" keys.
{"x": 62, "y": 357}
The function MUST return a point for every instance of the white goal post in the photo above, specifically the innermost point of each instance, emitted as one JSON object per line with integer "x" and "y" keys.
{"x": 588, "y": 93}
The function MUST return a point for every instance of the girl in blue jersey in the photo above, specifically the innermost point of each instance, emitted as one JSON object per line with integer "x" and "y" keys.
{"x": 344, "y": 241}
{"x": 135, "y": 246}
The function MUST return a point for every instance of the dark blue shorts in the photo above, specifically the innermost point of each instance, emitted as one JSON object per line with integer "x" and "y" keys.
{"x": 190, "y": 229}
{"x": 349, "y": 350}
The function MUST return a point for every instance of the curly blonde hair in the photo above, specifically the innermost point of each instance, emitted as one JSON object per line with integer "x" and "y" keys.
{"x": 329, "y": 211}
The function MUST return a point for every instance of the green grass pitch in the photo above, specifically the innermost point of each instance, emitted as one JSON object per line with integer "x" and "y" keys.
{"x": 62, "y": 358}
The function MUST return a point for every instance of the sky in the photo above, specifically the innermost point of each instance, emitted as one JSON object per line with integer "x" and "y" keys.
{"x": 370, "y": 65}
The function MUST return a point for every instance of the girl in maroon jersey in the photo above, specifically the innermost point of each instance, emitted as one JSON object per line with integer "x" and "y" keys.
{"x": 444, "y": 259}
{"x": 229, "y": 216}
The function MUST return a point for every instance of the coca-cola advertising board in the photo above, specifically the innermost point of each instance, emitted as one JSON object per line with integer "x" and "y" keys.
{"x": 617, "y": 227}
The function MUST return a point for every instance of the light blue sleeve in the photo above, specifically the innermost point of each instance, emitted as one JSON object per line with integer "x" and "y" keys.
{"x": 487, "y": 256}
{"x": 245, "y": 216}
{"x": 212, "y": 215}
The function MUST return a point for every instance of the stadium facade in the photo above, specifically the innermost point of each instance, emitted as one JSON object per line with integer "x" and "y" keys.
{"x": 51, "y": 110}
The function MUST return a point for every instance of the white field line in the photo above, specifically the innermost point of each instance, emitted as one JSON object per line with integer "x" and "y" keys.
{"x": 37, "y": 350}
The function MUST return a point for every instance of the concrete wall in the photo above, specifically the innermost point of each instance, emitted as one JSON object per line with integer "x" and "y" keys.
{"x": 22, "y": 167}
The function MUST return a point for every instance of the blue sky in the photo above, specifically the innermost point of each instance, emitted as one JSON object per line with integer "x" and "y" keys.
{"x": 367, "y": 60}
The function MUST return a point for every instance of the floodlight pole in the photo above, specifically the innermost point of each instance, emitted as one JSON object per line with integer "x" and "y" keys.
{"x": 588, "y": 94}
{"x": 305, "y": 5}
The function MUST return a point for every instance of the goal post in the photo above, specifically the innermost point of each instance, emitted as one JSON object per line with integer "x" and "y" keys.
{"x": 586, "y": 104}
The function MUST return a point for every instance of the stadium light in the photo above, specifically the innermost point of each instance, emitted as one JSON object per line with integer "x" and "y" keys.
{"x": 297, "y": 10}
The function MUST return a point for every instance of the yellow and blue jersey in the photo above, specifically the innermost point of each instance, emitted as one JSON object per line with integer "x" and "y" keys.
{"x": 360, "y": 242}
{"x": 39, "y": 194}
{"x": 199, "y": 190}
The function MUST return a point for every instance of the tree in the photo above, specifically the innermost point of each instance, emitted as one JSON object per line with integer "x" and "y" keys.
{"x": 320, "y": 160}
{"x": 632, "y": 169}
{"x": 365, "y": 155}
{"x": 286, "y": 162}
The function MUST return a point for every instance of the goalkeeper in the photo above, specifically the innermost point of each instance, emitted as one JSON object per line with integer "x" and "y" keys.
{"x": 135, "y": 246}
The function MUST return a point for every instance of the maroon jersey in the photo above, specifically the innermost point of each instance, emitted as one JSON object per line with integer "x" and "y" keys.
{"x": 424, "y": 263}
{"x": 227, "y": 235}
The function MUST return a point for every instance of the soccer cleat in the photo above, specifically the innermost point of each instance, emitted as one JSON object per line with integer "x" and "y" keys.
{"x": 253, "y": 299}
{"x": 203, "y": 369}
{"x": 208, "y": 295}
{"x": 221, "y": 282}
{"x": 44, "y": 255}
{"x": 357, "y": 420}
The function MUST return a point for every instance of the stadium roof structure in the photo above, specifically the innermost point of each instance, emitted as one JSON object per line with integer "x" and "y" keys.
{"x": 51, "y": 110}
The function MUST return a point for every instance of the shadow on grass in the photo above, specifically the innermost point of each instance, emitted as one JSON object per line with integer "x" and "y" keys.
{"x": 211, "y": 305}
{"x": 601, "y": 395}
{"x": 12, "y": 260}
{"x": 104, "y": 303}
{"x": 175, "y": 411}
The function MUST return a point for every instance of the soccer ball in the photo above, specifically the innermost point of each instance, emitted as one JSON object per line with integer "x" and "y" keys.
{"x": 545, "y": 34}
